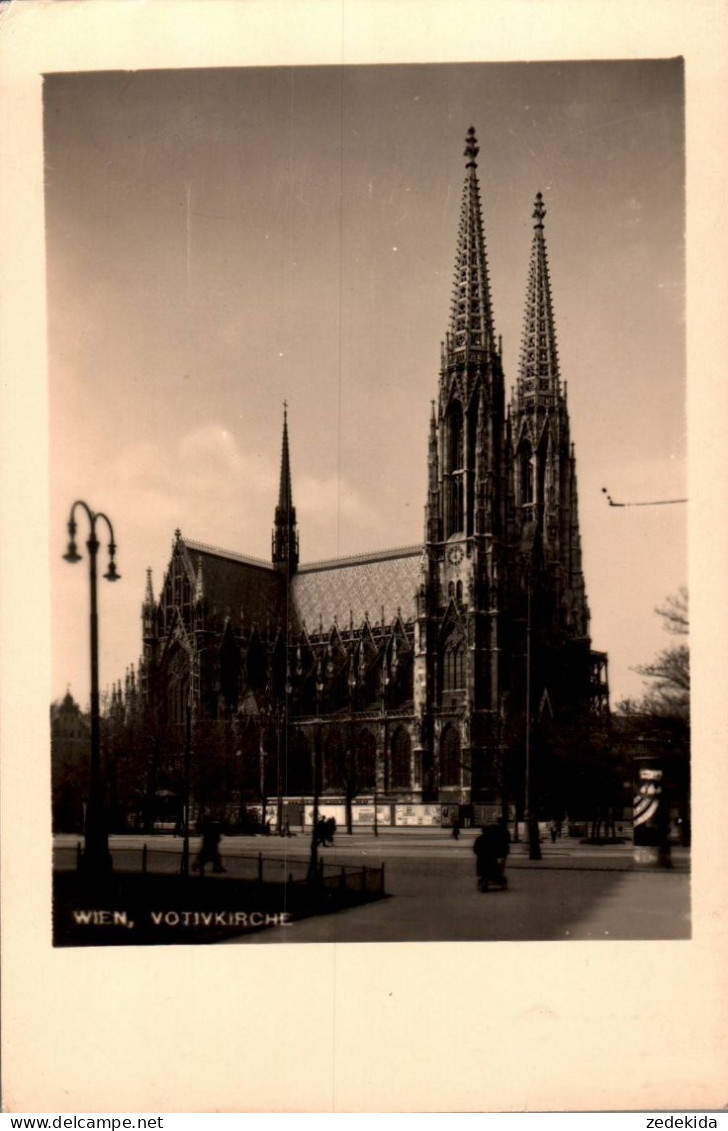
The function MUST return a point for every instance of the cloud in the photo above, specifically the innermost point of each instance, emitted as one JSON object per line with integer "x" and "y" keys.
{"x": 333, "y": 518}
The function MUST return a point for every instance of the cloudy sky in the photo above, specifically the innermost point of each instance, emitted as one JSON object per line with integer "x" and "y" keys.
{"x": 219, "y": 240}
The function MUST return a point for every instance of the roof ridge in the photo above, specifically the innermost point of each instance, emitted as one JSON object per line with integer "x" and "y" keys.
{"x": 325, "y": 563}
{"x": 362, "y": 558}
{"x": 206, "y": 548}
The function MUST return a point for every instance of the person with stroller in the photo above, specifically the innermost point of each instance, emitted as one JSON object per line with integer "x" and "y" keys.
{"x": 491, "y": 849}
{"x": 210, "y": 848}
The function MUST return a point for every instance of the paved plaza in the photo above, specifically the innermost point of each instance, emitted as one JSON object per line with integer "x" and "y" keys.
{"x": 576, "y": 892}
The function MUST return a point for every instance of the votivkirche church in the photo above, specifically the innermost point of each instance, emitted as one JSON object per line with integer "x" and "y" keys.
{"x": 407, "y": 675}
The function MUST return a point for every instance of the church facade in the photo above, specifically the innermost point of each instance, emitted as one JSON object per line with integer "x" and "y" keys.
{"x": 408, "y": 675}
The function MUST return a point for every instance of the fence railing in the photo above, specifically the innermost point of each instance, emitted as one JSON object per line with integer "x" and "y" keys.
{"x": 250, "y": 867}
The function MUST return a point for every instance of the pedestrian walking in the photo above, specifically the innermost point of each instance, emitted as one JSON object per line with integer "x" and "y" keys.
{"x": 210, "y": 849}
{"x": 456, "y": 828}
{"x": 491, "y": 849}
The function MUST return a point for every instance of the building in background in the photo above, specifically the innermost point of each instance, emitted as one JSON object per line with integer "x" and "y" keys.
{"x": 408, "y": 676}
{"x": 70, "y": 764}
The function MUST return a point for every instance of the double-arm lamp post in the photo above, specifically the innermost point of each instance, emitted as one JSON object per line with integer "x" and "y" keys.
{"x": 96, "y": 857}
{"x": 313, "y": 861}
{"x": 531, "y": 815}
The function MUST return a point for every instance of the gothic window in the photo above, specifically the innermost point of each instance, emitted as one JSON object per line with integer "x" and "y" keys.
{"x": 248, "y": 753}
{"x": 400, "y": 776}
{"x": 455, "y": 437}
{"x": 229, "y": 670}
{"x": 297, "y": 765}
{"x": 269, "y": 757}
{"x": 255, "y": 663}
{"x": 459, "y": 592}
{"x": 454, "y": 470}
{"x": 178, "y": 685}
{"x": 332, "y": 760}
{"x": 366, "y": 760}
{"x": 457, "y": 513}
{"x": 453, "y": 667}
{"x": 539, "y": 474}
{"x": 451, "y": 589}
{"x": 450, "y": 759}
{"x": 527, "y": 473}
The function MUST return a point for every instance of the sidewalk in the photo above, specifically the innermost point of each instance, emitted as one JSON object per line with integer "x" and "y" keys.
{"x": 442, "y": 904}
{"x": 435, "y": 845}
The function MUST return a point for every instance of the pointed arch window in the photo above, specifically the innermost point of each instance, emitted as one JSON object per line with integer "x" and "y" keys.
{"x": 333, "y": 756}
{"x": 401, "y": 772}
{"x": 454, "y": 469}
{"x": 255, "y": 663}
{"x": 450, "y": 757}
{"x": 297, "y": 765}
{"x": 230, "y": 669}
{"x": 453, "y": 665}
{"x": 527, "y": 462}
{"x": 456, "y": 447}
{"x": 177, "y": 684}
{"x": 366, "y": 760}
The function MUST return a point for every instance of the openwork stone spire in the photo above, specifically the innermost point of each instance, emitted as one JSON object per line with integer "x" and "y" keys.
{"x": 149, "y": 592}
{"x": 471, "y": 319}
{"x": 539, "y": 360}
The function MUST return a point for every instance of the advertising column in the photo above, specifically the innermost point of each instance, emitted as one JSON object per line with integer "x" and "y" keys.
{"x": 651, "y": 816}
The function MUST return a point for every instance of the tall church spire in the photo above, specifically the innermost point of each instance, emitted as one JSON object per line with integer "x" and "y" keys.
{"x": 285, "y": 535}
{"x": 471, "y": 318}
{"x": 539, "y": 363}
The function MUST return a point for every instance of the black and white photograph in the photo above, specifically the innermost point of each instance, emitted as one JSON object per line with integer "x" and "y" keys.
{"x": 361, "y": 569}
{"x": 367, "y": 386}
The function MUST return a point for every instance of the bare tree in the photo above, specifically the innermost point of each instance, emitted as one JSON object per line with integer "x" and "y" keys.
{"x": 669, "y": 692}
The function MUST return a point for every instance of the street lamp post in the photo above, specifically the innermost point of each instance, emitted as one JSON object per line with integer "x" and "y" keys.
{"x": 185, "y": 862}
{"x": 534, "y": 847}
{"x": 352, "y": 769}
{"x": 313, "y": 863}
{"x": 282, "y": 728}
{"x": 384, "y": 686}
{"x": 279, "y": 779}
{"x": 96, "y": 858}
{"x": 262, "y": 756}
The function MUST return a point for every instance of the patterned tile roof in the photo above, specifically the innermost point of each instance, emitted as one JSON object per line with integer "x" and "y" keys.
{"x": 377, "y": 584}
{"x": 356, "y": 586}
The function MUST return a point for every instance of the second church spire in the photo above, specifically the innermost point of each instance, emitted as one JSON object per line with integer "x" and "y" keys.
{"x": 539, "y": 364}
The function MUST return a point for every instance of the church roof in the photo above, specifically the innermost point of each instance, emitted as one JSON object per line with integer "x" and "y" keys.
{"x": 243, "y": 588}
{"x": 378, "y": 585}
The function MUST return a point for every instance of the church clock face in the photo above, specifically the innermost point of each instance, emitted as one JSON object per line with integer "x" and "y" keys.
{"x": 455, "y": 555}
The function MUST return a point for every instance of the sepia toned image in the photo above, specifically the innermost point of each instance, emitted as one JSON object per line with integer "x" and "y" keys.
{"x": 367, "y": 393}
